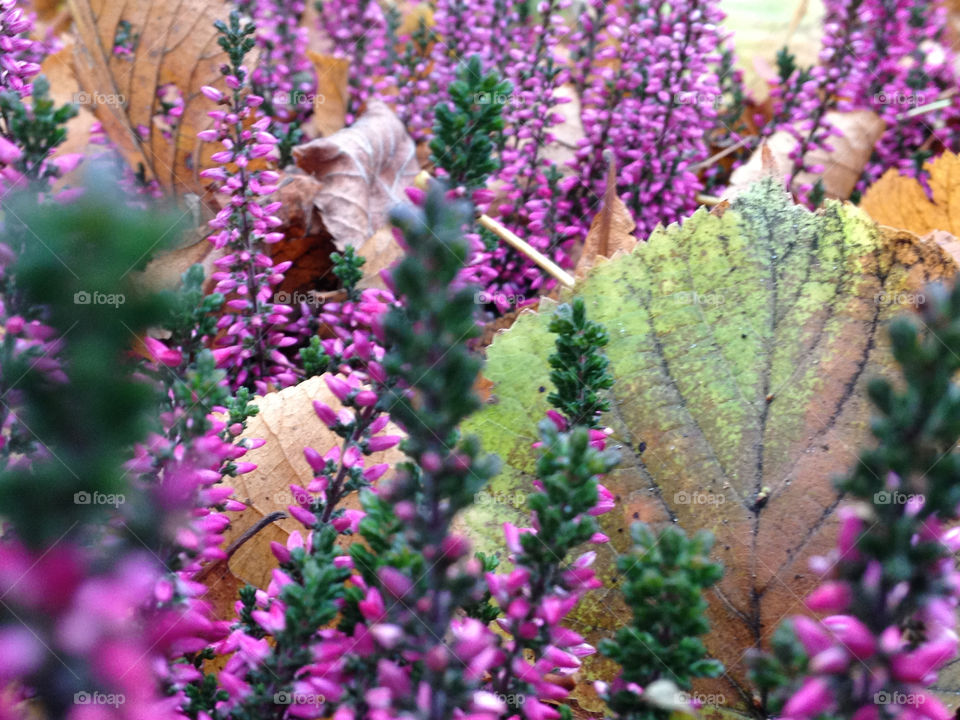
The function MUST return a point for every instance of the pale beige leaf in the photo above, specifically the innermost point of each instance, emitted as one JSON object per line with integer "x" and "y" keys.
{"x": 381, "y": 251}
{"x": 288, "y": 423}
{"x": 363, "y": 170}
{"x": 842, "y": 166}
{"x": 567, "y": 133}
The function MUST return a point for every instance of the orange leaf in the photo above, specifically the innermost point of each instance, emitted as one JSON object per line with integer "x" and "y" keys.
{"x": 901, "y": 202}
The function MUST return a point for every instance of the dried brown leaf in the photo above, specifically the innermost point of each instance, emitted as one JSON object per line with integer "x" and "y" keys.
{"x": 363, "y": 170}
{"x": 176, "y": 43}
{"x": 611, "y": 230}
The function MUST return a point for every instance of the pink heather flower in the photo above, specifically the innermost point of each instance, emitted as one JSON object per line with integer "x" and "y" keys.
{"x": 813, "y": 697}
{"x": 833, "y": 596}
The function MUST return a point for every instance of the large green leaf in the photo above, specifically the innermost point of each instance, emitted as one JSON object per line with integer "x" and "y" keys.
{"x": 741, "y": 343}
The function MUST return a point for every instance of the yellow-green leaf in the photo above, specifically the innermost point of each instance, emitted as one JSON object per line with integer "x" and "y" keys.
{"x": 741, "y": 344}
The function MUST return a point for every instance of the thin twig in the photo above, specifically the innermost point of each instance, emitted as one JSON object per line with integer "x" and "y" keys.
{"x": 513, "y": 240}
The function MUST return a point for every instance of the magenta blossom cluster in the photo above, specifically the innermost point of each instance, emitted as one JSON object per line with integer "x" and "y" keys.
{"x": 650, "y": 89}
{"x": 358, "y": 32}
{"x": 866, "y": 672}
{"x": 911, "y": 85}
{"x": 284, "y": 73}
{"x": 253, "y": 325}
{"x": 20, "y": 56}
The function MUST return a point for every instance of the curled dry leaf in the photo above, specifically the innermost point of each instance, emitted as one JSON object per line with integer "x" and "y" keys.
{"x": 612, "y": 228}
{"x": 288, "y": 423}
{"x": 381, "y": 251}
{"x": 363, "y": 170}
{"x": 901, "y": 202}
{"x": 842, "y": 166}
{"x": 741, "y": 344}
{"x": 64, "y": 89}
{"x": 171, "y": 50}
{"x": 308, "y": 244}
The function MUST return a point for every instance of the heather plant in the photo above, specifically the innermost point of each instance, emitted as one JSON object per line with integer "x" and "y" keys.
{"x": 663, "y": 581}
{"x": 468, "y": 127}
{"x": 284, "y": 75}
{"x": 253, "y": 328}
{"x": 545, "y": 585}
{"x": 358, "y": 31}
{"x": 889, "y": 587}
{"x": 649, "y": 107}
{"x": 77, "y": 556}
